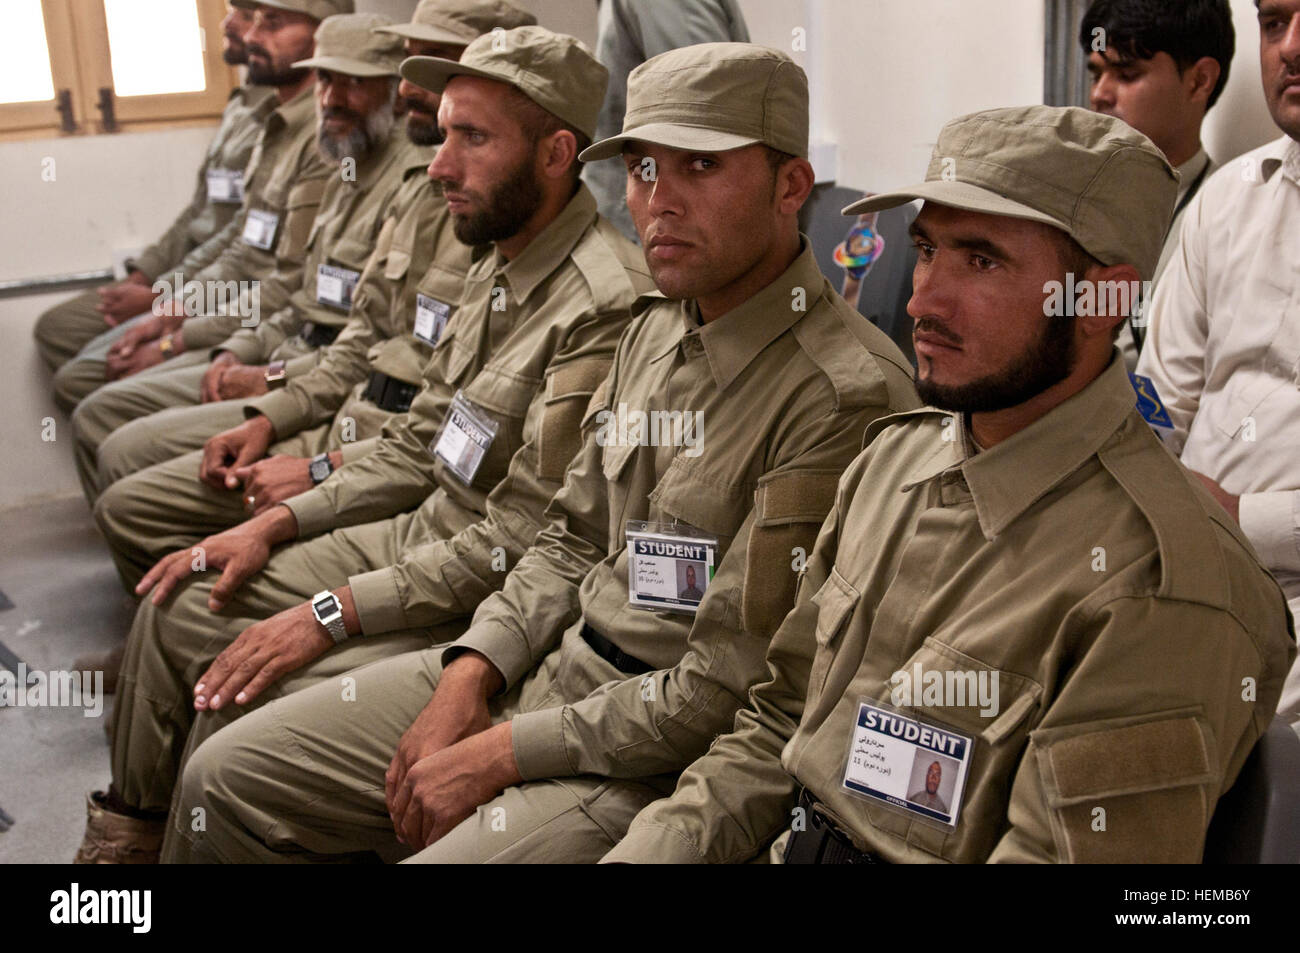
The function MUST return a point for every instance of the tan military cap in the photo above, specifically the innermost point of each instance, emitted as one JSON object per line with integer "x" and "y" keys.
{"x": 320, "y": 9}
{"x": 554, "y": 70}
{"x": 352, "y": 44}
{"x": 1092, "y": 176}
{"x": 460, "y": 22}
{"x": 713, "y": 97}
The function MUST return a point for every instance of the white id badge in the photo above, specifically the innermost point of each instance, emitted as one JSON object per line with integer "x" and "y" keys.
{"x": 465, "y": 438}
{"x": 225, "y": 186}
{"x": 260, "y": 228}
{"x": 669, "y": 565}
{"x": 334, "y": 286}
{"x": 910, "y": 764}
{"x": 430, "y": 318}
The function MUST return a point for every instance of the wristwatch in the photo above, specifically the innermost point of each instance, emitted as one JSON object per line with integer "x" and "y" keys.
{"x": 320, "y": 468}
{"x": 327, "y": 609}
{"x": 275, "y": 377}
{"x": 166, "y": 345}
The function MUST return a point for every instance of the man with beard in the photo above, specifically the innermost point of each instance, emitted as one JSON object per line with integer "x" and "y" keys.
{"x": 357, "y": 134}
{"x": 409, "y": 289}
{"x": 1026, "y": 532}
{"x": 538, "y": 320}
{"x": 69, "y": 326}
{"x": 1224, "y": 345}
{"x": 566, "y": 706}
{"x": 282, "y": 188}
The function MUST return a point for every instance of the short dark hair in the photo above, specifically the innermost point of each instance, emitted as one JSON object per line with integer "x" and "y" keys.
{"x": 538, "y": 123}
{"x": 1185, "y": 29}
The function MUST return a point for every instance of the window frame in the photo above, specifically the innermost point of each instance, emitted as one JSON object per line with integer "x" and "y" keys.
{"x": 80, "y": 61}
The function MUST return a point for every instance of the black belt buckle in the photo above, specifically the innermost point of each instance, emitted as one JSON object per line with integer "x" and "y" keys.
{"x": 821, "y": 842}
{"x": 612, "y": 654}
{"x": 390, "y": 393}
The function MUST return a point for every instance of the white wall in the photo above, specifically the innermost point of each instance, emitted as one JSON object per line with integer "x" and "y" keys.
{"x": 109, "y": 192}
{"x": 885, "y": 75}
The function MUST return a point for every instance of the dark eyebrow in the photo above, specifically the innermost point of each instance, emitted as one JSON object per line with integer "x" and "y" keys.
{"x": 980, "y": 246}
{"x": 466, "y": 127}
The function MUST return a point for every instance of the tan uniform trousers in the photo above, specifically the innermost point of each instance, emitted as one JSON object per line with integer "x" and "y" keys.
{"x": 65, "y": 328}
{"x": 172, "y": 386}
{"x": 302, "y": 779}
{"x": 171, "y": 646}
{"x": 147, "y": 511}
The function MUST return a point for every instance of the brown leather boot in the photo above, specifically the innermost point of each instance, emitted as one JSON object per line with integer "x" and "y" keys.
{"x": 117, "y": 839}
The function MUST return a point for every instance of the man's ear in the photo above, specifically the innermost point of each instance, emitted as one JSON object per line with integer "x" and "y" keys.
{"x": 1200, "y": 79}
{"x": 794, "y": 183}
{"x": 558, "y": 152}
{"x": 1116, "y": 288}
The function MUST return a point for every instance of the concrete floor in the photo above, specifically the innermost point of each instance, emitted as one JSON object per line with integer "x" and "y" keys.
{"x": 67, "y": 601}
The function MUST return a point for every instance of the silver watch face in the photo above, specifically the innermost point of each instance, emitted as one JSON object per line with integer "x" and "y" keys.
{"x": 320, "y": 469}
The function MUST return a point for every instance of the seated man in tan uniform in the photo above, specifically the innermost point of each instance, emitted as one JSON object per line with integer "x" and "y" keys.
{"x": 407, "y": 540}
{"x": 1018, "y": 579}
{"x": 587, "y": 682}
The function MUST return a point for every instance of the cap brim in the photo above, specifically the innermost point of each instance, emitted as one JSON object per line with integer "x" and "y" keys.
{"x": 673, "y": 135}
{"x": 960, "y": 195}
{"x": 254, "y": 4}
{"x": 345, "y": 65}
{"x": 426, "y": 33}
{"x": 434, "y": 72}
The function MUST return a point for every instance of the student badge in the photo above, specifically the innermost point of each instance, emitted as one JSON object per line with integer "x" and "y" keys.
{"x": 334, "y": 286}
{"x": 669, "y": 565}
{"x": 912, "y": 765}
{"x": 465, "y": 438}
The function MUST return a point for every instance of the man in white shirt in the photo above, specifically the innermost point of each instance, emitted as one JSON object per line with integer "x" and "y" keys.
{"x": 1160, "y": 66}
{"x": 1223, "y": 347}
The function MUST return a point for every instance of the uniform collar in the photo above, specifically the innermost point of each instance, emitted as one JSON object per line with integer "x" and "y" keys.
{"x": 732, "y": 341}
{"x": 1282, "y": 154}
{"x": 1010, "y": 477}
{"x": 546, "y": 252}
{"x": 300, "y": 109}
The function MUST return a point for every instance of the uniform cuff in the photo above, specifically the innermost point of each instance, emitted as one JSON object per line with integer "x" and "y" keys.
{"x": 313, "y": 511}
{"x": 653, "y": 844}
{"x": 243, "y": 346}
{"x": 499, "y": 645}
{"x": 1270, "y": 522}
{"x": 281, "y": 409}
{"x": 538, "y": 740}
{"x": 379, "y": 605}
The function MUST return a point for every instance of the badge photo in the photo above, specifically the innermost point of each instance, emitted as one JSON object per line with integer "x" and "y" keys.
{"x": 907, "y": 763}
{"x": 466, "y": 435}
{"x": 669, "y": 565}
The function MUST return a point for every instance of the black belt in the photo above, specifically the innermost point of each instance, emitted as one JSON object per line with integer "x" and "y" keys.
{"x": 821, "y": 842}
{"x": 612, "y": 654}
{"x": 317, "y": 334}
{"x": 389, "y": 393}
